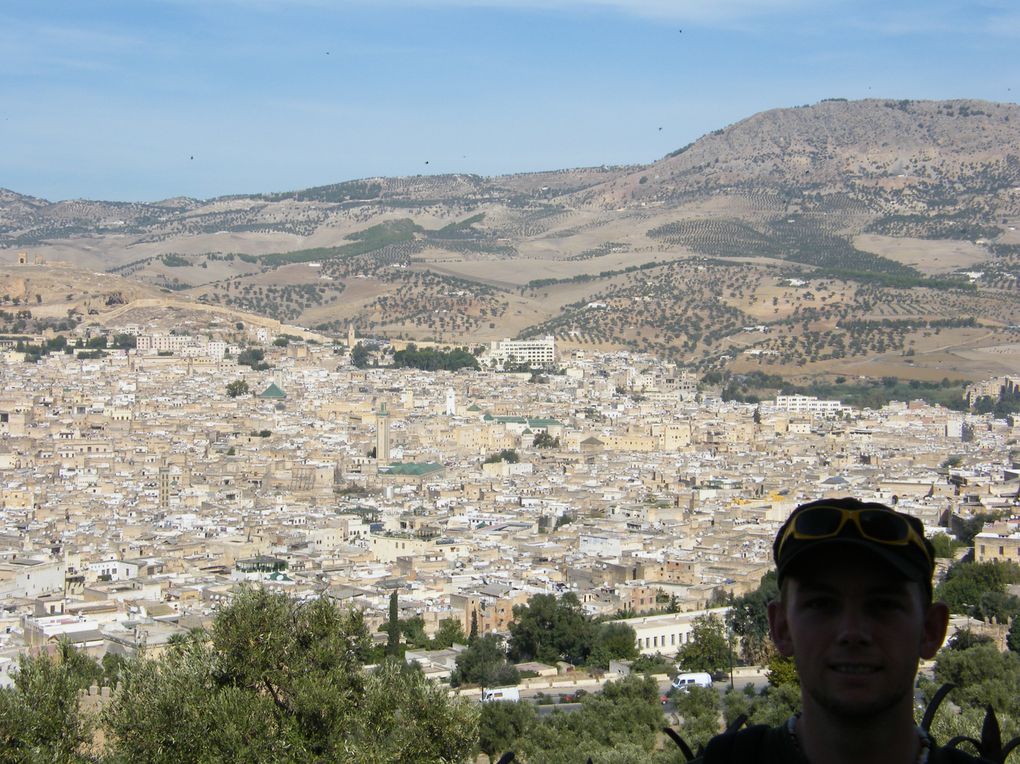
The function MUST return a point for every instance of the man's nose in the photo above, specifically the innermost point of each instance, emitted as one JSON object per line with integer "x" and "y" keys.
{"x": 854, "y": 626}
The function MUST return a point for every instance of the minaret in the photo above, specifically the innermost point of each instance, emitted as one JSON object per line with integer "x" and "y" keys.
{"x": 350, "y": 336}
{"x": 451, "y": 402}
{"x": 164, "y": 485}
{"x": 382, "y": 435}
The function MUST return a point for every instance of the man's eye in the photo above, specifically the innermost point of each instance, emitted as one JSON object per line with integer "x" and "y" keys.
{"x": 819, "y": 603}
{"x": 889, "y": 604}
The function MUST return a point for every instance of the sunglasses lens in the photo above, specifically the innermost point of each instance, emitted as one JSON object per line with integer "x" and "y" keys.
{"x": 818, "y": 521}
{"x": 883, "y": 526}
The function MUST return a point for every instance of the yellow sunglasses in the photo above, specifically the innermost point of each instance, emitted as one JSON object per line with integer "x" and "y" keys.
{"x": 883, "y": 526}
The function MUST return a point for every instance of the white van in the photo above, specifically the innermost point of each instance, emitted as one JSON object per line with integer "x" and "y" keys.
{"x": 493, "y": 694}
{"x": 694, "y": 678}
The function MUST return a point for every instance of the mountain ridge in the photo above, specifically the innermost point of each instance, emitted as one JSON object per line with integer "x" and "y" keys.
{"x": 866, "y": 197}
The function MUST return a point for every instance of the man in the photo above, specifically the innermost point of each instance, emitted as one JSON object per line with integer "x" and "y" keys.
{"x": 855, "y": 612}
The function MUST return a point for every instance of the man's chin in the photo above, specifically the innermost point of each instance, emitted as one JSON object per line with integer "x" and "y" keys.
{"x": 857, "y": 707}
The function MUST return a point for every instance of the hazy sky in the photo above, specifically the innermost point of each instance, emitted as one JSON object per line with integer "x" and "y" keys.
{"x": 140, "y": 100}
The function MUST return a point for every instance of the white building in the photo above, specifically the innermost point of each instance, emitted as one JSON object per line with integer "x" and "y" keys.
{"x": 28, "y": 578}
{"x": 537, "y": 352}
{"x": 45, "y": 631}
{"x": 806, "y": 404}
{"x": 216, "y": 349}
{"x": 163, "y": 343}
{"x": 666, "y": 634}
{"x": 113, "y": 570}
{"x": 8, "y": 667}
{"x": 599, "y": 545}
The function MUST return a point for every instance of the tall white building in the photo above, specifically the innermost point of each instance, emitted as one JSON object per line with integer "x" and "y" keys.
{"x": 538, "y": 352}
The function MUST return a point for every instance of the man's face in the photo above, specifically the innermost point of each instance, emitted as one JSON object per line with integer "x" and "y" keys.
{"x": 856, "y": 630}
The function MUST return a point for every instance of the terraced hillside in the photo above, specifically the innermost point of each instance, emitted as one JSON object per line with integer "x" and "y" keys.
{"x": 860, "y": 235}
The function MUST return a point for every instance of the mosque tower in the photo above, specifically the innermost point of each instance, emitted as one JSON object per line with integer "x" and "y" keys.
{"x": 382, "y": 435}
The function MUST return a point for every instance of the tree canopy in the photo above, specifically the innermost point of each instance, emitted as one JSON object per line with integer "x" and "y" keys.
{"x": 429, "y": 359}
{"x": 40, "y": 717}
{"x": 275, "y": 680}
{"x": 359, "y": 356}
{"x": 548, "y": 629}
{"x": 708, "y": 650}
{"x": 983, "y": 677}
{"x": 502, "y": 726}
{"x": 393, "y": 627}
{"x": 1013, "y": 636}
{"x": 485, "y": 664}
{"x": 450, "y": 633}
{"x": 619, "y": 725}
{"x": 253, "y": 357}
{"x": 699, "y": 707}
{"x": 281, "y": 680}
{"x": 978, "y": 589}
{"x": 612, "y": 641}
{"x": 508, "y": 455}
{"x": 748, "y": 619}
{"x": 544, "y": 440}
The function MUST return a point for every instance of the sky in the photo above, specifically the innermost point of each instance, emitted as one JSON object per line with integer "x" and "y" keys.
{"x": 143, "y": 100}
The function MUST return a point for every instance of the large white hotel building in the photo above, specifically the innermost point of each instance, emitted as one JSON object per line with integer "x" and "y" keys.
{"x": 538, "y": 352}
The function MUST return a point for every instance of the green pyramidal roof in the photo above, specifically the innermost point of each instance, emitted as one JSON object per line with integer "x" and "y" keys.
{"x": 272, "y": 392}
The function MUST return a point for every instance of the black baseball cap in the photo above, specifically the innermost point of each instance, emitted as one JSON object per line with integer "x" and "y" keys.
{"x": 894, "y": 537}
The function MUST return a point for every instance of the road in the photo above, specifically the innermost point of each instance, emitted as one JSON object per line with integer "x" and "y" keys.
{"x": 564, "y": 695}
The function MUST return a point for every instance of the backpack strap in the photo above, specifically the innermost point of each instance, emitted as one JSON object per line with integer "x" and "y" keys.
{"x": 743, "y": 746}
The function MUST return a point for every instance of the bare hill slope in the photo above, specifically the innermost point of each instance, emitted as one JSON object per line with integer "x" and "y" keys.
{"x": 765, "y": 244}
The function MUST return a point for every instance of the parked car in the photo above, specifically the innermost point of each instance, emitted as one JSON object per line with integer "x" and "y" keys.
{"x": 494, "y": 694}
{"x": 691, "y": 679}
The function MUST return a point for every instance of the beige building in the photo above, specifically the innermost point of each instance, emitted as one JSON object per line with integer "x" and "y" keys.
{"x": 630, "y": 441}
{"x": 999, "y": 542}
{"x": 389, "y": 546}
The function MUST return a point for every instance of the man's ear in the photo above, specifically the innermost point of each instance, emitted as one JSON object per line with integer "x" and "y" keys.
{"x": 779, "y": 629}
{"x": 936, "y": 621}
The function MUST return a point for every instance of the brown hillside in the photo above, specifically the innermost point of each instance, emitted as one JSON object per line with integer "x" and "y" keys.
{"x": 863, "y": 234}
